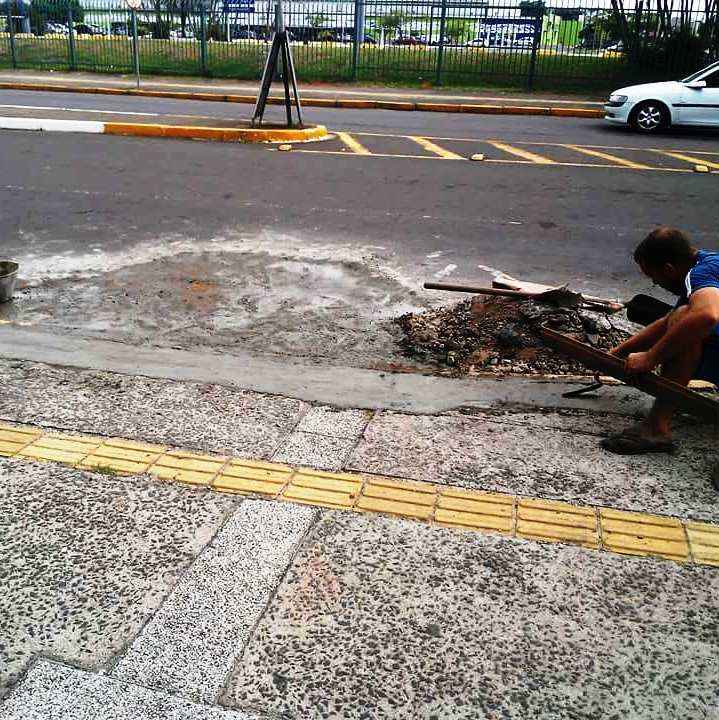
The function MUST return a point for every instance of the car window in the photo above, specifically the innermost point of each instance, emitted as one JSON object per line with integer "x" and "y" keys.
{"x": 698, "y": 74}
{"x": 713, "y": 79}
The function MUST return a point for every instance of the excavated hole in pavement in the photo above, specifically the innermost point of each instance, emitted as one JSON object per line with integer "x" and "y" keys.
{"x": 340, "y": 311}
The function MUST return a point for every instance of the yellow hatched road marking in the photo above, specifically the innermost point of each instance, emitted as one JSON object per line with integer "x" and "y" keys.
{"x": 355, "y": 146}
{"x": 688, "y": 158}
{"x": 434, "y": 148}
{"x": 606, "y": 156}
{"x": 605, "y": 529}
{"x": 525, "y": 154}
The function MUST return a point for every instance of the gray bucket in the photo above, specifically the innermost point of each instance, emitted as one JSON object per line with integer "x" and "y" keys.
{"x": 8, "y": 278}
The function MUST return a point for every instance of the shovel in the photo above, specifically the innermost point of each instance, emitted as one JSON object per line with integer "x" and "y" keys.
{"x": 559, "y": 297}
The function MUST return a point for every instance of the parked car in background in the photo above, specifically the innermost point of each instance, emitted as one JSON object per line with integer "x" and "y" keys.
{"x": 653, "y": 107}
{"x": 243, "y": 34}
{"x": 407, "y": 40}
{"x": 85, "y": 29}
{"x": 176, "y": 33}
{"x": 52, "y": 28}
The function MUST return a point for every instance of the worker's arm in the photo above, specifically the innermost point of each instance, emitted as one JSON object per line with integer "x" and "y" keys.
{"x": 695, "y": 325}
{"x": 643, "y": 340}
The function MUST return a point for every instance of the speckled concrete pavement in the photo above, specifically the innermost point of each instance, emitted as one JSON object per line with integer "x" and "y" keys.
{"x": 150, "y": 597}
{"x": 383, "y": 618}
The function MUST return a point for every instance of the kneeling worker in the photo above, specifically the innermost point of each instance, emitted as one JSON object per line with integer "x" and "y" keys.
{"x": 685, "y": 343}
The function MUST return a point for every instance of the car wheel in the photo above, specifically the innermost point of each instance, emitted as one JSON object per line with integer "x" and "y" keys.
{"x": 649, "y": 116}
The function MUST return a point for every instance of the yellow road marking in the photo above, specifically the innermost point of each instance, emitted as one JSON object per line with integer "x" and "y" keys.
{"x": 610, "y": 158}
{"x": 436, "y": 149}
{"x": 634, "y": 533}
{"x": 688, "y": 158}
{"x": 525, "y": 154}
{"x": 355, "y": 146}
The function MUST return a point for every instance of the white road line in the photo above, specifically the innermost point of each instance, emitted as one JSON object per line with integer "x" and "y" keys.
{"x": 78, "y": 110}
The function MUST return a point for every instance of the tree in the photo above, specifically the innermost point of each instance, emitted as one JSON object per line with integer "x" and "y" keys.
{"x": 660, "y": 36}
{"x": 53, "y": 11}
{"x": 391, "y": 24}
{"x": 318, "y": 20}
{"x": 459, "y": 31}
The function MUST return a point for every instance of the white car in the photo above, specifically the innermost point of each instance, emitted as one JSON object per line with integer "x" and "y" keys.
{"x": 655, "y": 106}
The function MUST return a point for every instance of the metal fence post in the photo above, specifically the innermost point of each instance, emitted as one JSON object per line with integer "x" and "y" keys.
{"x": 203, "y": 40}
{"x": 11, "y": 30}
{"x": 538, "y": 23}
{"x": 440, "y": 46}
{"x": 135, "y": 48}
{"x": 71, "y": 37}
{"x": 358, "y": 35}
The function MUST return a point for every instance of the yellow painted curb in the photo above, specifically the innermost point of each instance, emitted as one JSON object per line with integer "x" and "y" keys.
{"x": 320, "y": 102}
{"x": 194, "y": 132}
{"x": 535, "y": 519}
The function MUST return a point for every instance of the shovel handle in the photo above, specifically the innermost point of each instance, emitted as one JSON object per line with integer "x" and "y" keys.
{"x": 477, "y": 290}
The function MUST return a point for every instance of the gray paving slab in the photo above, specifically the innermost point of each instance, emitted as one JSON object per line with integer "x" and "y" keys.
{"x": 56, "y": 692}
{"x": 335, "y": 422}
{"x": 202, "y": 416}
{"x": 86, "y": 559}
{"x": 315, "y": 451}
{"x": 547, "y": 455}
{"x": 383, "y": 618}
{"x": 190, "y": 644}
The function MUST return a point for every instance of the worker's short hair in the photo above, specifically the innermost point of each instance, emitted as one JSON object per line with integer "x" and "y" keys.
{"x": 664, "y": 245}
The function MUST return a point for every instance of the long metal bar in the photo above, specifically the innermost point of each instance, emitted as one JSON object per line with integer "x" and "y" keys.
{"x": 135, "y": 48}
{"x": 649, "y": 383}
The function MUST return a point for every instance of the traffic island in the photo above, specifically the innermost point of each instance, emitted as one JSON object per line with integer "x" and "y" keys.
{"x": 236, "y": 132}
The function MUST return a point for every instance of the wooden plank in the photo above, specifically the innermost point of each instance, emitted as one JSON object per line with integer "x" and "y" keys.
{"x": 649, "y": 383}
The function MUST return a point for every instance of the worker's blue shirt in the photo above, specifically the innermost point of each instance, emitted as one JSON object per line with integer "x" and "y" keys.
{"x": 704, "y": 274}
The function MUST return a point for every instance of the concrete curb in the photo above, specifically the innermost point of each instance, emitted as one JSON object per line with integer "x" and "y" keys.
{"x": 191, "y": 132}
{"x": 574, "y": 112}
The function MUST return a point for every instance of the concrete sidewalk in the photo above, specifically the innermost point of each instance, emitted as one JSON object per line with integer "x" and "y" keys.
{"x": 325, "y": 96}
{"x": 134, "y": 597}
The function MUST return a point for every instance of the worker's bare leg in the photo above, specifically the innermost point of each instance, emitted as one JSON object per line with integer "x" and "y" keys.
{"x": 680, "y": 369}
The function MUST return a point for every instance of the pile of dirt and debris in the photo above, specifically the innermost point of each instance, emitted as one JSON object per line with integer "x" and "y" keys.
{"x": 501, "y": 335}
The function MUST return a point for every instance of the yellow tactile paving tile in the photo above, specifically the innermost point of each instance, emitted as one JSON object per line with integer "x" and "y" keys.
{"x": 394, "y": 507}
{"x": 482, "y": 511}
{"x": 191, "y": 462}
{"x": 632, "y": 533}
{"x": 67, "y": 444}
{"x": 191, "y": 477}
{"x": 118, "y": 465}
{"x": 49, "y": 454}
{"x": 398, "y": 494}
{"x": 13, "y": 435}
{"x": 557, "y": 522}
{"x": 8, "y": 449}
{"x": 315, "y": 496}
{"x": 134, "y": 445}
{"x": 113, "y": 452}
{"x": 704, "y": 542}
{"x": 247, "y": 485}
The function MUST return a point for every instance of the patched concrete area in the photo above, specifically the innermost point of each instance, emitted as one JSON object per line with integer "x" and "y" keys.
{"x": 191, "y": 415}
{"x": 383, "y": 618}
{"x": 62, "y": 693}
{"x": 88, "y": 558}
{"x": 189, "y": 646}
{"x": 548, "y": 455}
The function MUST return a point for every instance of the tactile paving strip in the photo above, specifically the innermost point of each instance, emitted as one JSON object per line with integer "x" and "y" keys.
{"x": 615, "y": 531}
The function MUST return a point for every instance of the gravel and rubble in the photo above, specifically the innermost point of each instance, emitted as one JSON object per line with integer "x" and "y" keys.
{"x": 501, "y": 336}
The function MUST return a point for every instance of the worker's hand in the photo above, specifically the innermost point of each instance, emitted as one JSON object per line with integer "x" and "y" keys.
{"x": 639, "y": 362}
{"x": 618, "y": 351}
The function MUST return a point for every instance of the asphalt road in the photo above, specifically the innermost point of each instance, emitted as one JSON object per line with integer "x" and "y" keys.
{"x": 323, "y": 231}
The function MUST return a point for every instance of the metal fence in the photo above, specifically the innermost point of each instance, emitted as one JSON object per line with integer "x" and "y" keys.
{"x": 528, "y": 43}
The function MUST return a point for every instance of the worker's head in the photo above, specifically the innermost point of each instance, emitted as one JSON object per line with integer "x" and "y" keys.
{"x": 666, "y": 256}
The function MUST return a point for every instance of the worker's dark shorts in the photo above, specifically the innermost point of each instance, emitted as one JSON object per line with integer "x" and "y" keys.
{"x": 709, "y": 365}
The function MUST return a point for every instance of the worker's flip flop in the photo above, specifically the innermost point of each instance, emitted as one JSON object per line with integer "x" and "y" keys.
{"x": 629, "y": 443}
